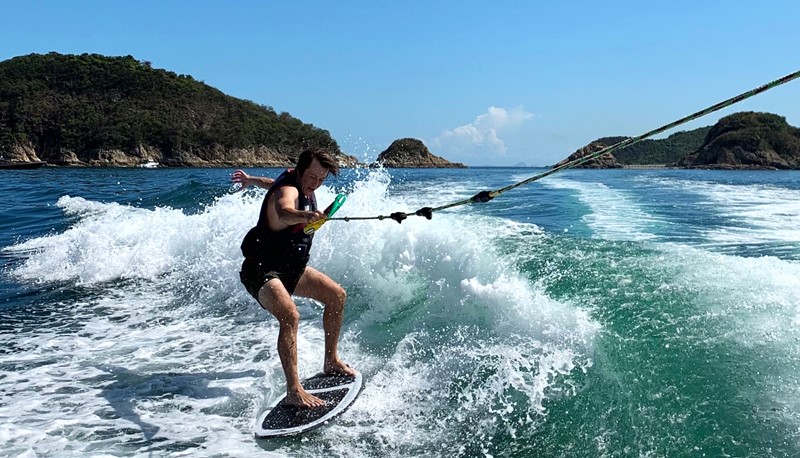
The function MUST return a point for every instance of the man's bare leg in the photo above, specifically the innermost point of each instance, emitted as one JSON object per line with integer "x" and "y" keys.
{"x": 274, "y": 298}
{"x": 316, "y": 285}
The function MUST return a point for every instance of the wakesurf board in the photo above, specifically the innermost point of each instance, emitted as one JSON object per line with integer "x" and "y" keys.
{"x": 337, "y": 390}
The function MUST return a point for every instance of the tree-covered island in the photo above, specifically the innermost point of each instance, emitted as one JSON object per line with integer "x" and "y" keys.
{"x": 95, "y": 110}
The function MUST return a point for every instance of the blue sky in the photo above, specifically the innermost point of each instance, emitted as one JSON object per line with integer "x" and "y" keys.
{"x": 480, "y": 82}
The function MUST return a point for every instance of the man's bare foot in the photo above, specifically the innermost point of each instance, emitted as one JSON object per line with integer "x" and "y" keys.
{"x": 303, "y": 400}
{"x": 337, "y": 367}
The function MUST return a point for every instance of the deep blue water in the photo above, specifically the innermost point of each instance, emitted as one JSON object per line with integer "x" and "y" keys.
{"x": 592, "y": 313}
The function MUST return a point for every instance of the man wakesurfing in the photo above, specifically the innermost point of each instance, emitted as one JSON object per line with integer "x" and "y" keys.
{"x": 276, "y": 254}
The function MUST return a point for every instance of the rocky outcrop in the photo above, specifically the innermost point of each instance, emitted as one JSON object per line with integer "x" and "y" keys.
{"x": 737, "y": 157}
{"x": 748, "y": 140}
{"x": 412, "y": 153}
{"x": 604, "y": 161}
{"x": 20, "y": 153}
{"x": 20, "y": 157}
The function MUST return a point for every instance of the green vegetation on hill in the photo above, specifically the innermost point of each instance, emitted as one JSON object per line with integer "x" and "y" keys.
{"x": 665, "y": 151}
{"x": 78, "y": 105}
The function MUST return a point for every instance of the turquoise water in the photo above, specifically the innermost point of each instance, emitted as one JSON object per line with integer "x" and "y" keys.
{"x": 592, "y": 313}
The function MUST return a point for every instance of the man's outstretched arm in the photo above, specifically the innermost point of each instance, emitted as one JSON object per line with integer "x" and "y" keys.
{"x": 246, "y": 180}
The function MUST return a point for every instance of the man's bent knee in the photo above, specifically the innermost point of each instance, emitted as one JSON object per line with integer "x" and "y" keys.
{"x": 336, "y": 299}
{"x": 290, "y": 319}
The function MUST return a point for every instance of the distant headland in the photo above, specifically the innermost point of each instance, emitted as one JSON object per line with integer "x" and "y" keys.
{"x": 744, "y": 140}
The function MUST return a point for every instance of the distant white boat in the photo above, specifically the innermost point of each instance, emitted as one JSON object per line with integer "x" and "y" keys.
{"x": 149, "y": 165}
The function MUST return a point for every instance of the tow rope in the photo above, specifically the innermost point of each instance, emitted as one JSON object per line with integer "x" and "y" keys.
{"x": 486, "y": 196}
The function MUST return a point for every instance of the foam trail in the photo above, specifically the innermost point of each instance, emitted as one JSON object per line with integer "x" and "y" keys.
{"x": 172, "y": 355}
{"x": 765, "y": 217}
{"x": 614, "y": 215}
{"x": 761, "y": 213}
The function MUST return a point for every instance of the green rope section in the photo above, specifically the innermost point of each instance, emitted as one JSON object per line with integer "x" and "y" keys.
{"x": 485, "y": 196}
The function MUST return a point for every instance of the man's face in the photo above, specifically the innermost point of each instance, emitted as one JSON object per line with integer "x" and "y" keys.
{"x": 313, "y": 177}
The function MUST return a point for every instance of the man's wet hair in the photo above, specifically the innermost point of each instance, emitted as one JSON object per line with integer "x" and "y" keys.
{"x": 322, "y": 155}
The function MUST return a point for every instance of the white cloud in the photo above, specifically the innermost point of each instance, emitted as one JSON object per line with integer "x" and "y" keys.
{"x": 481, "y": 136}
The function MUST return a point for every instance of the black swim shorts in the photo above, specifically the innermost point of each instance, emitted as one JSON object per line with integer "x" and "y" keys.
{"x": 255, "y": 273}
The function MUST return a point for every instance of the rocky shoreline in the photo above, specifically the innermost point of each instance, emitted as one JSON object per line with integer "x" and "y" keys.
{"x": 137, "y": 157}
{"x": 402, "y": 153}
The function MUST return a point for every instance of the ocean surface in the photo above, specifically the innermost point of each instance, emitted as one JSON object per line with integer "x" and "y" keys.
{"x": 593, "y": 313}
